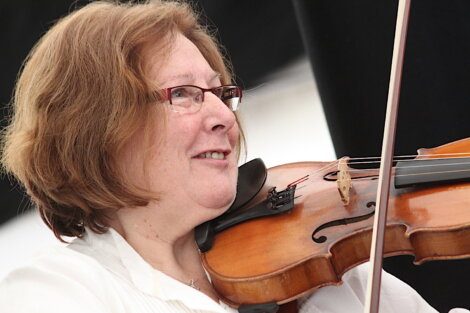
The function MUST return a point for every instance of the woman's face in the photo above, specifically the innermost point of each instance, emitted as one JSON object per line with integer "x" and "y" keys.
{"x": 179, "y": 169}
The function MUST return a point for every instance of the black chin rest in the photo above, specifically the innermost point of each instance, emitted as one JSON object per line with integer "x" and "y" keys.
{"x": 251, "y": 178}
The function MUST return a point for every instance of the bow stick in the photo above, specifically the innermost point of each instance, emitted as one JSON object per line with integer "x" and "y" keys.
{"x": 380, "y": 218}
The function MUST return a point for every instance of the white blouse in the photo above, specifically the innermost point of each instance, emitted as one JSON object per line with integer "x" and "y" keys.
{"x": 103, "y": 273}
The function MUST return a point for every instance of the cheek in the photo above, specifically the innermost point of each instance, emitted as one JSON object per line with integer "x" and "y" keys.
{"x": 234, "y": 134}
{"x": 181, "y": 132}
{"x": 131, "y": 163}
{"x": 167, "y": 166}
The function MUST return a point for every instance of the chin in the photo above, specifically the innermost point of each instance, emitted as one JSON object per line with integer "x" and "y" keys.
{"x": 223, "y": 201}
{"x": 218, "y": 199}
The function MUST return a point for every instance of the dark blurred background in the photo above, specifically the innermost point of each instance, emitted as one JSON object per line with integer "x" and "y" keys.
{"x": 349, "y": 44}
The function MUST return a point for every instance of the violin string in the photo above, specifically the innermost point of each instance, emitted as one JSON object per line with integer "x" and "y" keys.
{"x": 320, "y": 171}
{"x": 334, "y": 164}
{"x": 400, "y": 175}
{"x": 415, "y": 155}
{"x": 408, "y": 158}
{"x": 433, "y": 173}
{"x": 406, "y": 161}
{"x": 421, "y": 166}
{"x": 422, "y": 173}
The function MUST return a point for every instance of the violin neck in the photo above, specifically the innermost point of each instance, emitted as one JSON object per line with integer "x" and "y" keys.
{"x": 431, "y": 171}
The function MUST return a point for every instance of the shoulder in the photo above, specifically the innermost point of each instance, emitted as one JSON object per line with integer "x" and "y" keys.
{"x": 60, "y": 261}
{"x": 59, "y": 279}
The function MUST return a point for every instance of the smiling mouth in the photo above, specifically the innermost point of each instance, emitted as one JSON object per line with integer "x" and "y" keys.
{"x": 212, "y": 155}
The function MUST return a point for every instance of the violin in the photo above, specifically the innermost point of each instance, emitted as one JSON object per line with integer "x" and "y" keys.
{"x": 328, "y": 230}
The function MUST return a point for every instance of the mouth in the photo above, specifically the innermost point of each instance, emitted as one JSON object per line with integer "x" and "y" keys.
{"x": 215, "y": 155}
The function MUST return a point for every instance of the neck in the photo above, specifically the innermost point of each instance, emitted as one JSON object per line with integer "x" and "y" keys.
{"x": 431, "y": 172}
{"x": 168, "y": 247}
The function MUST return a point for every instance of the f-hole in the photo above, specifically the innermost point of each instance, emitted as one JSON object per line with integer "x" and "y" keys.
{"x": 343, "y": 221}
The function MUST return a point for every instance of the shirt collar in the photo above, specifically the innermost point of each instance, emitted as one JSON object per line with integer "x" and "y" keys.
{"x": 115, "y": 253}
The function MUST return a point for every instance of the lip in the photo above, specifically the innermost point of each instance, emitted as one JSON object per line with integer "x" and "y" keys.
{"x": 226, "y": 153}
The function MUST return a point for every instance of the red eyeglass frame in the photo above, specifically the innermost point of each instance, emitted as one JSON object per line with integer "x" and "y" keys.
{"x": 204, "y": 90}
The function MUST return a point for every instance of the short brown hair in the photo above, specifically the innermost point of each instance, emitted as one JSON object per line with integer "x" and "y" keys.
{"x": 83, "y": 92}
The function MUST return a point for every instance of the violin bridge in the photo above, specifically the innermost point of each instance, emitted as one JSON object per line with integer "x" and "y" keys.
{"x": 343, "y": 180}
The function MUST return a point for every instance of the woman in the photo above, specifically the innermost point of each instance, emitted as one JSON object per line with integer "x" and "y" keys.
{"x": 124, "y": 136}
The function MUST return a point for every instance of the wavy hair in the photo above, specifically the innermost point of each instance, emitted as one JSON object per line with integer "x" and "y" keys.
{"x": 82, "y": 94}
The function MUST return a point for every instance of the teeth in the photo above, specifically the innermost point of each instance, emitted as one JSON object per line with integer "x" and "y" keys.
{"x": 212, "y": 155}
{"x": 217, "y": 155}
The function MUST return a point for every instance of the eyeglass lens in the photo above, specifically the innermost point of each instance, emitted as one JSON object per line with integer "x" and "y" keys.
{"x": 191, "y": 97}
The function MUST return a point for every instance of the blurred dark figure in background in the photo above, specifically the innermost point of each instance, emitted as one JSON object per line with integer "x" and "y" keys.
{"x": 350, "y": 47}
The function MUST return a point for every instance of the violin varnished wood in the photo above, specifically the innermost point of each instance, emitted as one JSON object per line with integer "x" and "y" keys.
{"x": 275, "y": 258}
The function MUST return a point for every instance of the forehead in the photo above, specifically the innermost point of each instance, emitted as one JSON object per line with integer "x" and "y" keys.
{"x": 183, "y": 64}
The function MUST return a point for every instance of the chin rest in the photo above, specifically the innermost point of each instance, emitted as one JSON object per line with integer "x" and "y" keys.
{"x": 251, "y": 178}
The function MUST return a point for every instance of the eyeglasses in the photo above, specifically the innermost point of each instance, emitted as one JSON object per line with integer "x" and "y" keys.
{"x": 189, "y": 98}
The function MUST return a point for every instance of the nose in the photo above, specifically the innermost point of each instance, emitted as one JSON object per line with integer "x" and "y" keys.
{"x": 219, "y": 116}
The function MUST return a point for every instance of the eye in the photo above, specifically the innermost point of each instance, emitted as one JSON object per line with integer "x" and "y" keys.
{"x": 231, "y": 96}
{"x": 178, "y": 93}
{"x": 198, "y": 97}
{"x": 229, "y": 93}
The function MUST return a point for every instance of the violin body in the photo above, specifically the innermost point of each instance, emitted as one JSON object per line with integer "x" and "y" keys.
{"x": 283, "y": 257}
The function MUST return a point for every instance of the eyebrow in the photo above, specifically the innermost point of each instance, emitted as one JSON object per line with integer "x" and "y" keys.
{"x": 191, "y": 78}
{"x": 215, "y": 76}
{"x": 187, "y": 76}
